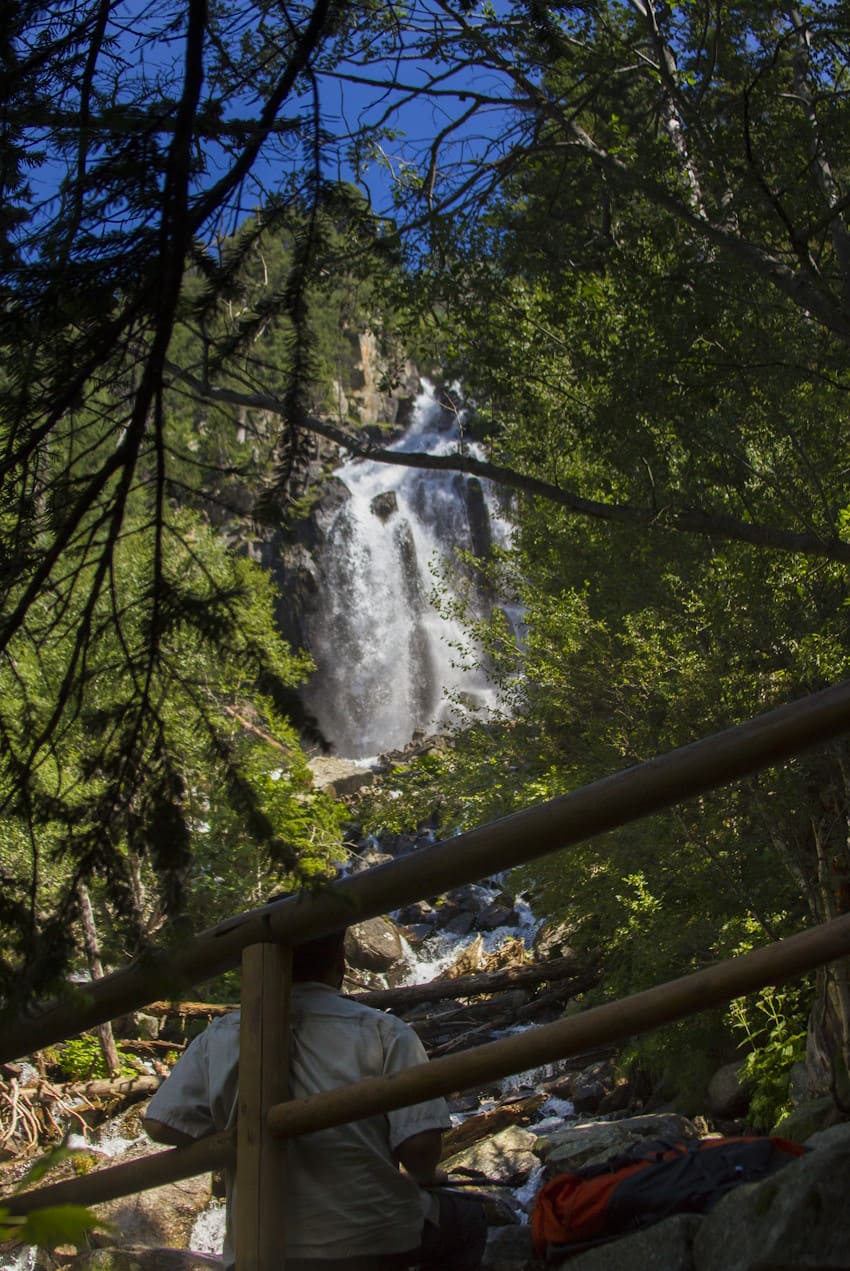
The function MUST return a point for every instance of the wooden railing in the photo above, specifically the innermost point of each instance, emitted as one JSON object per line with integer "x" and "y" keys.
{"x": 263, "y": 939}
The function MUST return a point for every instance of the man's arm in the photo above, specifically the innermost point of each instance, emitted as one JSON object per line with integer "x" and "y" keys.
{"x": 420, "y": 1156}
{"x": 160, "y": 1132}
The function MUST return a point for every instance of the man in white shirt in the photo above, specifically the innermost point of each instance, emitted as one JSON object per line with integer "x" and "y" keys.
{"x": 348, "y": 1205}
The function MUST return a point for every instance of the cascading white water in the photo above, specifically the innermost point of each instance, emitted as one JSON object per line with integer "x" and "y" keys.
{"x": 388, "y": 662}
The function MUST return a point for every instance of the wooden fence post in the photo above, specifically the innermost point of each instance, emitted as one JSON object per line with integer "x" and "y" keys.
{"x": 263, "y": 1082}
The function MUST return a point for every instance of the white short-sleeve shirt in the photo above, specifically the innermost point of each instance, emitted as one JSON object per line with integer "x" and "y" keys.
{"x": 344, "y": 1194}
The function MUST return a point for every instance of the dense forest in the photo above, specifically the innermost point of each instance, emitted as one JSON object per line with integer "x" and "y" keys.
{"x": 622, "y": 229}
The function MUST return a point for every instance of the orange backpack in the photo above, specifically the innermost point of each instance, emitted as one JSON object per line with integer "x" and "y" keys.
{"x": 649, "y": 1182}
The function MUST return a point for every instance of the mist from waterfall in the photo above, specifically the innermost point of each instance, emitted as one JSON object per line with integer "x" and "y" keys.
{"x": 389, "y": 664}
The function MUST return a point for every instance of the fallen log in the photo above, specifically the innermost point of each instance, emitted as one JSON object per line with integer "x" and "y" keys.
{"x": 98, "y": 1088}
{"x": 481, "y": 1124}
{"x": 410, "y": 995}
{"x": 190, "y": 1010}
{"x": 558, "y": 995}
{"x": 486, "y": 1009}
{"x": 476, "y": 985}
{"x": 146, "y": 1046}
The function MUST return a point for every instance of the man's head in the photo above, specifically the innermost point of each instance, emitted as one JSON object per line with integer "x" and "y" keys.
{"x": 322, "y": 959}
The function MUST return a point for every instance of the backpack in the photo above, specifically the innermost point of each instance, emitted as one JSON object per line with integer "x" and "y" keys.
{"x": 648, "y": 1182}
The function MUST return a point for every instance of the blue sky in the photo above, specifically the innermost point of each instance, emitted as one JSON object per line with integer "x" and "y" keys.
{"x": 152, "y": 66}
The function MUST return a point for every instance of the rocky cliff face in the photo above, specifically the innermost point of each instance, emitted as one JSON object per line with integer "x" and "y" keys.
{"x": 369, "y": 399}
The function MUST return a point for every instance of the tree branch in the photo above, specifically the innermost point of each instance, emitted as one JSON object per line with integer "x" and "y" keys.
{"x": 692, "y": 521}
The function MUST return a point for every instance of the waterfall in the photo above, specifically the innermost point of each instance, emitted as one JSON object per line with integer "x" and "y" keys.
{"x": 389, "y": 663}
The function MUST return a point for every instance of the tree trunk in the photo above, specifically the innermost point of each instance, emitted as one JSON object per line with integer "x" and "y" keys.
{"x": 828, "y": 1039}
{"x": 104, "y": 1031}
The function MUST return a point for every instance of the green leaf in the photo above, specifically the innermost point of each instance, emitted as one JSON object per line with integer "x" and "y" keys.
{"x": 59, "y": 1225}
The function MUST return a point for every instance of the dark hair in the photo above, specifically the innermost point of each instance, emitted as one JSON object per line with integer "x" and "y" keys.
{"x": 313, "y": 959}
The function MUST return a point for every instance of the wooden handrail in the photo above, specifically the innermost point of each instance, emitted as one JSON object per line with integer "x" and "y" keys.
{"x": 155, "y": 1170}
{"x": 600, "y": 1025}
{"x": 514, "y": 840}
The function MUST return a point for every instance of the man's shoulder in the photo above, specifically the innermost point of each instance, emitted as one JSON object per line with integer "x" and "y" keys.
{"x": 379, "y": 1018}
{"x": 337, "y": 1004}
{"x": 221, "y": 1033}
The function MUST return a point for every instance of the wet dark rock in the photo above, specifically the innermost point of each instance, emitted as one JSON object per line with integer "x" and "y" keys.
{"x": 401, "y": 844}
{"x": 471, "y": 896}
{"x": 560, "y": 1087}
{"x": 464, "y": 1103}
{"x": 384, "y": 505}
{"x": 496, "y": 915}
{"x": 592, "y": 1084}
{"x": 406, "y": 546}
{"x": 617, "y": 1099}
{"x": 502, "y": 1209}
{"x": 478, "y": 515}
{"x": 417, "y": 933}
{"x": 460, "y": 924}
{"x": 312, "y": 532}
{"x": 419, "y": 911}
{"x": 369, "y": 859}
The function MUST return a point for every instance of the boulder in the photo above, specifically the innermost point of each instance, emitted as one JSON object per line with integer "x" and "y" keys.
{"x": 595, "y": 1141}
{"x": 553, "y": 940}
{"x": 592, "y": 1084}
{"x": 807, "y": 1120}
{"x": 509, "y": 1249}
{"x": 503, "y": 1210}
{"x": 729, "y": 1094}
{"x": 460, "y": 924}
{"x": 509, "y": 1156}
{"x": 384, "y": 505}
{"x": 667, "y": 1246}
{"x": 373, "y": 945}
{"x": 833, "y": 1136}
{"x": 161, "y": 1216}
{"x": 339, "y": 777}
{"x": 140, "y": 1258}
{"x": 417, "y": 933}
{"x": 368, "y": 859}
{"x": 469, "y": 896}
{"x": 146, "y": 1027}
{"x": 478, "y": 518}
{"x": 496, "y": 915}
{"x": 618, "y": 1098}
{"x": 796, "y": 1220}
{"x": 419, "y": 911}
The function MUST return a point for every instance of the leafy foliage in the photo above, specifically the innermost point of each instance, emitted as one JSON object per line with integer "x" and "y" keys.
{"x": 81, "y": 1059}
{"x": 774, "y": 1026}
{"x": 184, "y": 721}
{"x": 628, "y": 314}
